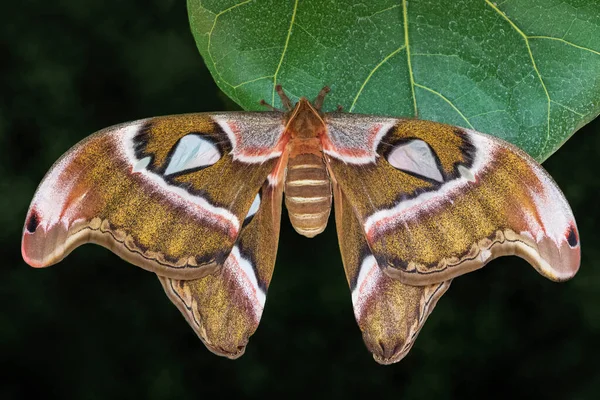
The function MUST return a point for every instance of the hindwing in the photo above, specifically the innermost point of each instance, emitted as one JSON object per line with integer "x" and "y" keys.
{"x": 224, "y": 308}
{"x": 389, "y": 313}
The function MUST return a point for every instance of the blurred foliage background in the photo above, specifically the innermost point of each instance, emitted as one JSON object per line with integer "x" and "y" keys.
{"x": 95, "y": 327}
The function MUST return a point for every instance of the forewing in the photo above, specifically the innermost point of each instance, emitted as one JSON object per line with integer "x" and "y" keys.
{"x": 437, "y": 201}
{"x": 224, "y": 308}
{"x": 168, "y": 194}
{"x": 389, "y": 313}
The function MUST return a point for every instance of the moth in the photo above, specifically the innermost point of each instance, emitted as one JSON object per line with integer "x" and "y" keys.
{"x": 196, "y": 199}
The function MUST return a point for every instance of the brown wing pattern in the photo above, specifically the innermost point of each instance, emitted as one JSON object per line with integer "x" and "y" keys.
{"x": 168, "y": 194}
{"x": 440, "y": 201}
{"x": 389, "y": 313}
{"x": 224, "y": 308}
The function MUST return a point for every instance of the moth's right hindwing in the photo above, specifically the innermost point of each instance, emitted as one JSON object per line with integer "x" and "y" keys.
{"x": 168, "y": 194}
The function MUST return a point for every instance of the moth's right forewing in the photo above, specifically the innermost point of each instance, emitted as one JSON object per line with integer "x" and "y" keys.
{"x": 437, "y": 201}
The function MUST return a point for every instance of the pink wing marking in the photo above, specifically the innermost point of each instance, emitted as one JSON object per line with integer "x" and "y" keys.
{"x": 383, "y": 220}
{"x": 195, "y": 205}
{"x": 352, "y": 145}
{"x": 369, "y": 278}
{"x": 554, "y": 216}
{"x": 276, "y": 176}
{"x": 553, "y": 222}
{"x": 252, "y": 139}
{"x": 243, "y": 273}
{"x": 60, "y": 199}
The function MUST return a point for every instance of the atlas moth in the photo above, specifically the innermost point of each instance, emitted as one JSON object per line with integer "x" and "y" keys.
{"x": 196, "y": 199}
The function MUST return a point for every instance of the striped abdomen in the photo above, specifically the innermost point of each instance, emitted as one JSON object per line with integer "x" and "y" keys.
{"x": 308, "y": 193}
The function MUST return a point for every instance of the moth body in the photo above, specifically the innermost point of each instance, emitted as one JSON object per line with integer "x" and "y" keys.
{"x": 308, "y": 194}
{"x": 307, "y": 183}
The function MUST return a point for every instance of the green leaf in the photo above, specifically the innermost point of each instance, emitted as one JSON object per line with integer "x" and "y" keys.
{"x": 527, "y": 71}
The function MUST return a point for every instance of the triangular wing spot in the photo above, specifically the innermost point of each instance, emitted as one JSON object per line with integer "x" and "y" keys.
{"x": 141, "y": 164}
{"x": 416, "y": 157}
{"x": 467, "y": 173}
{"x": 192, "y": 152}
{"x": 253, "y": 209}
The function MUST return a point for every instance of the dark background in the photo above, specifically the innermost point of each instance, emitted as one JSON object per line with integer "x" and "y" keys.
{"x": 95, "y": 327}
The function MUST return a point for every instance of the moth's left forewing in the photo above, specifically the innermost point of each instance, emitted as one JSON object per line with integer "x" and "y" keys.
{"x": 389, "y": 313}
{"x": 225, "y": 308}
{"x": 169, "y": 194}
{"x": 437, "y": 201}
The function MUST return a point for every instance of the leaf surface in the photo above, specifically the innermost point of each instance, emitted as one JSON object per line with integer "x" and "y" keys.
{"x": 527, "y": 71}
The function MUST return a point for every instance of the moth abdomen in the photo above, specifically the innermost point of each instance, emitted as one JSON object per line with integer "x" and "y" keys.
{"x": 308, "y": 194}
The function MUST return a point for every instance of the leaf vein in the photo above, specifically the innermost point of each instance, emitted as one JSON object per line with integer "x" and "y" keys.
{"x": 381, "y": 11}
{"x": 385, "y": 59}
{"x": 435, "y": 55}
{"x": 248, "y": 51}
{"x": 565, "y": 42}
{"x": 285, "y": 47}
{"x": 252, "y": 80}
{"x": 406, "y": 44}
{"x": 535, "y": 68}
{"x": 210, "y": 33}
{"x": 313, "y": 37}
{"x": 568, "y": 108}
{"x": 487, "y": 113}
{"x": 447, "y": 101}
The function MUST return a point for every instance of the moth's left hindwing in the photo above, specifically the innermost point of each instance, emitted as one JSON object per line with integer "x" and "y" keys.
{"x": 436, "y": 201}
{"x": 168, "y": 194}
{"x": 224, "y": 308}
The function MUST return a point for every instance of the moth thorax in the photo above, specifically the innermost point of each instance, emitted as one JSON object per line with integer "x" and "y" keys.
{"x": 308, "y": 194}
